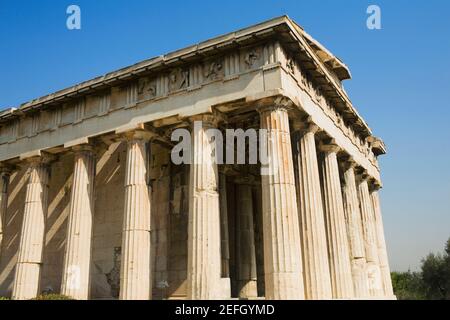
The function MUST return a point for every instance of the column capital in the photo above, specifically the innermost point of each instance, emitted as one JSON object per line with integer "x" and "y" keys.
{"x": 86, "y": 145}
{"x": 305, "y": 126}
{"x": 135, "y": 132}
{"x": 83, "y": 148}
{"x": 138, "y": 135}
{"x": 6, "y": 169}
{"x": 270, "y": 108}
{"x": 43, "y": 159}
{"x": 279, "y": 102}
{"x": 347, "y": 162}
{"x": 362, "y": 175}
{"x": 374, "y": 185}
{"x": 329, "y": 147}
{"x": 92, "y": 148}
{"x": 209, "y": 120}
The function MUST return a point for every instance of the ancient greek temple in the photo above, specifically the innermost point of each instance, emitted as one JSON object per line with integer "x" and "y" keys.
{"x": 93, "y": 207}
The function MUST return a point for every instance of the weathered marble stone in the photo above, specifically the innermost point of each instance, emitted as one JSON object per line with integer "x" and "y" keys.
{"x": 133, "y": 224}
{"x": 381, "y": 245}
{"x": 370, "y": 239}
{"x": 337, "y": 240}
{"x": 312, "y": 224}
{"x": 77, "y": 260}
{"x": 135, "y": 278}
{"x": 204, "y": 216}
{"x": 355, "y": 233}
{"x": 282, "y": 251}
{"x": 29, "y": 261}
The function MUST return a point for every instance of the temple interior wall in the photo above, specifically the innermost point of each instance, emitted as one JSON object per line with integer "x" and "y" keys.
{"x": 178, "y": 225}
{"x": 107, "y": 225}
{"x": 12, "y": 225}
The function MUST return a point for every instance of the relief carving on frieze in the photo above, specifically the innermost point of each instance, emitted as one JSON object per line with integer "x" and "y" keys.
{"x": 291, "y": 66}
{"x": 178, "y": 79}
{"x": 214, "y": 70}
{"x": 316, "y": 94}
{"x": 146, "y": 88}
{"x": 252, "y": 57}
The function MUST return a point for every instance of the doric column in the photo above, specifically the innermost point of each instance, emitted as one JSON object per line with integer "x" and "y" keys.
{"x": 355, "y": 232}
{"x": 4, "y": 182}
{"x": 29, "y": 261}
{"x": 203, "y": 269}
{"x": 337, "y": 240}
{"x": 370, "y": 238}
{"x": 77, "y": 257}
{"x": 224, "y": 243}
{"x": 259, "y": 237}
{"x": 282, "y": 251}
{"x": 135, "y": 281}
{"x": 225, "y": 284}
{"x": 381, "y": 244}
{"x": 246, "y": 257}
{"x": 312, "y": 224}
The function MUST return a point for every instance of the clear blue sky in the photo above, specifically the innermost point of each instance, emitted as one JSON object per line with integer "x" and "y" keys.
{"x": 400, "y": 85}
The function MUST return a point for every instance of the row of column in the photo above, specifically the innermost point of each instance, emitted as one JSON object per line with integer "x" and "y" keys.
{"x": 342, "y": 242}
{"x": 135, "y": 269}
{"x": 314, "y": 246}
{"x": 320, "y": 241}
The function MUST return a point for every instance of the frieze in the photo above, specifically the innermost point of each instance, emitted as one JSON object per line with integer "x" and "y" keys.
{"x": 178, "y": 79}
{"x": 189, "y": 77}
{"x": 214, "y": 70}
{"x": 146, "y": 89}
{"x": 252, "y": 58}
{"x": 314, "y": 91}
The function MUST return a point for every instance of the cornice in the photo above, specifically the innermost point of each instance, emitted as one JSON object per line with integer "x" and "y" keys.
{"x": 282, "y": 28}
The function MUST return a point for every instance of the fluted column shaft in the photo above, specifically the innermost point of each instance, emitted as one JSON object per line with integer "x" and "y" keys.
{"x": 355, "y": 233}
{"x": 135, "y": 281}
{"x": 381, "y": 244}
{"x": 4, "y": 182}
{"x": 338, "y": 246}
{"x": 203, "y": 269}
{"x": 224, "y": 243}
{"x": 312, "y": 224}
{"x": 77, "y": 258}
{"x": 282, "y": 251}
{"x": 370, "y": 239}
{"x": 29, "y": 262}
{"x": 246, "y": 255}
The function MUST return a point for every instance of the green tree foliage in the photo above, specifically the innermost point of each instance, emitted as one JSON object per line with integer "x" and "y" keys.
{"x": 436, "y": 275}
{"x": 431, "y": 283}
{"x": 407, "y": 285}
